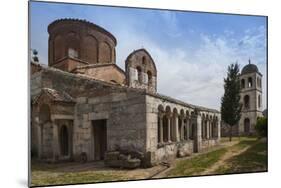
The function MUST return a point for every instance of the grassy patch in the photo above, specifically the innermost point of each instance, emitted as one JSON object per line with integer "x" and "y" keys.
{"x": 197, "y": 164}
{"x": 53, "y": 178}
{"x": 51, "y": 174}
{"x": 200, "y": 163}
{"x": 254, "y": 159}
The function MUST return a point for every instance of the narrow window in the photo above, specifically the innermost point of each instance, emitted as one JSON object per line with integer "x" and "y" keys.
{"x": 259, "y": 101}
{"x": 143, "y": 60}
{"x": 250, "y": 82}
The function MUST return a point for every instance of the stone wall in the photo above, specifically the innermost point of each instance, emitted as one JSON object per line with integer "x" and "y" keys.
{"x": 124, "y": 113}
{"x": 123, "y": 108}
{"x": 107, "y": 72}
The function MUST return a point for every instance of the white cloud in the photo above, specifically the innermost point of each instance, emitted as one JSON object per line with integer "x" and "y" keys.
{"x": 195, "y": 76}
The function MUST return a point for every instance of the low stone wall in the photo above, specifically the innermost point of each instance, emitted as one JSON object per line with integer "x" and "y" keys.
{"x": 170, "y": 151}
{"x": 209, "y": 143}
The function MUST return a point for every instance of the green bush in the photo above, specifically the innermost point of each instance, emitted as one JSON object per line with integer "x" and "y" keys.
{"x": 261, "y": 126}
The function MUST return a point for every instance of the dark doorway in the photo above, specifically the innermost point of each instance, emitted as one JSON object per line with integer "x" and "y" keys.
{"x": 64, "y": 143}
{"x": 247, "y": 125}
{"x": 100, "y": 138}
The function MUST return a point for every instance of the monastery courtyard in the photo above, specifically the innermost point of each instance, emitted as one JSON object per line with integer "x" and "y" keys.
{"x": 243, "y": 154}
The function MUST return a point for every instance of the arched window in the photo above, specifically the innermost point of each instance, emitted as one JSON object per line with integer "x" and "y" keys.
{"x": 139, "y": 74}
{"x": 246, "y": 102}
{"x": 259, "y": 101}
{"x": 242, "y": 83}
{"x": 72, "y": 41}
{"x": 165, "y": 128}
{"x": 246, "y": 125}
{"x": 64, "y": 145}
{"x": 250, "y": 82}
{"x": 143, "y": 60}
{"x": 149, "y": 77}
{"x": 158, "y": 129}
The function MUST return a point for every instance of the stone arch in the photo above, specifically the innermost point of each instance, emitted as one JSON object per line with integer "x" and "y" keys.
{"x": 160, "y": 123}
{"x": 246, "y": 100}
{"x": 104, "y": 52}
{"x": 64, "y": 140}
{"x": 90, "y": 49}
{"x": 58, "y": 48}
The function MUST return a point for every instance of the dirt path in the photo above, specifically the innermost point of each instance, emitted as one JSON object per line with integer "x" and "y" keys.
{"x": 229, "y": 154}
{"x": 163, "y": 173}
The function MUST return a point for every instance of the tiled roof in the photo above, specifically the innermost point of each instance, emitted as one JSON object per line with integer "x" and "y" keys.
{"x": 55, "y": 95}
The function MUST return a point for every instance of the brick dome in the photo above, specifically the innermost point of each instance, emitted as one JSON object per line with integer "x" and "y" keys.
{"x": 81, "y": 40}
{"x": 250, "y": 68}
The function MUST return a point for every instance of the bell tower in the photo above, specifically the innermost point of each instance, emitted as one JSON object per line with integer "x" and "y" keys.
{"x": 250, "y": 98}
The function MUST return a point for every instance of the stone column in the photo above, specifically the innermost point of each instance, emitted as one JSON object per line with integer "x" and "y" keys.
{"x": 182, "y": 128}
{"x": 176, "y": 128}
{"x": 203, "y": 129}
{"x": 187, "y": 128}
{"x": 190, "y": 129}
{"x": 169, "y": 128}
{"x": 40, "y": 140}
{"x": 55, "y": 141}
{"x": 208, "y": 129}
{"x": 211, "y": 129}
{"x": 197, "y": 120}
{"x": 219, "y": 128}
{"x": 161, "y": 128}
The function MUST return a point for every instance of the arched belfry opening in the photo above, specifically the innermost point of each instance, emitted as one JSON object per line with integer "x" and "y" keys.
{"x": 246, "y": 101}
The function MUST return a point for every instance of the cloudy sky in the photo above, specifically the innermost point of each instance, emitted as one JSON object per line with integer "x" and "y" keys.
{"x": 191, "y": 50}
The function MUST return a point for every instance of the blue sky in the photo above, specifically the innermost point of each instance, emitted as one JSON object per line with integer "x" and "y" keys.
{"x": 191, "y": 50}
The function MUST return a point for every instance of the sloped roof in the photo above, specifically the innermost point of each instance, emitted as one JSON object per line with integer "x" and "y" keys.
{"x": 55, "y": 95}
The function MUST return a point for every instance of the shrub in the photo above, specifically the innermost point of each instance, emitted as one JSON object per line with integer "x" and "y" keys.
{"x": 261, "y": 126}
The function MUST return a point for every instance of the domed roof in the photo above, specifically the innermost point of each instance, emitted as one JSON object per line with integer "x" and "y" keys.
{"x": 250, "y": 68}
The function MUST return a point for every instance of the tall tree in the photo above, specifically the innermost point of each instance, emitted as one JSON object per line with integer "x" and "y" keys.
{"x": 230, "y": 102}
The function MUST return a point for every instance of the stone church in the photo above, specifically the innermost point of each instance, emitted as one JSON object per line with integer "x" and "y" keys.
{"x": 85, "y": 107}
{"x": 251, "y": 101}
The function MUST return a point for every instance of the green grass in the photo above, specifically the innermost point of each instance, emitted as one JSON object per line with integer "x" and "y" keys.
{"x": 47, "y": 178}
{"x": 200, "y": 163}
{"x": 51, "y": 174}
{"x": 197, "y": 164}
{"x": 252, "y": 160}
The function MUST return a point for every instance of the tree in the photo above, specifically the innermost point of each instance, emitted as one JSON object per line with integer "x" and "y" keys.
{"x": 230, "y": 102}
{"x": 35, "y": 57}
{"x": 261, "y": 126}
